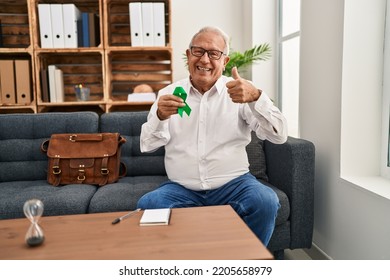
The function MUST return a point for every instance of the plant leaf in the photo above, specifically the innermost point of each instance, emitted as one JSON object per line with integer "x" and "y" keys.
{"x": 257, "y": 53}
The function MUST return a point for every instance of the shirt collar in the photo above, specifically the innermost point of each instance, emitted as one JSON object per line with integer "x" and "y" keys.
{"x": 219, "y": 85}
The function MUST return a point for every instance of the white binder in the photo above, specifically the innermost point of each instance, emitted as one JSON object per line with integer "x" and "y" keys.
{"x": 135, "y": 13}
{"x": 159, "y": 23}
{"x": 147, "y": 23}
{"x": 72, "y": 17}
{"x": 45, "y": 25}
{"x": 59, "y": 81}
{"x": 57, "y": 25}
{"x": 52, "y": 83}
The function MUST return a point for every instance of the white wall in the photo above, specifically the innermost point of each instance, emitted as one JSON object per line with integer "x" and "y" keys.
{"x": 248, "y": 23}
{"x": 262, "y": 27}
{"x": 189, "y": 16}
{"x": 362, "y": 80}
{"x": 350, "y": 222}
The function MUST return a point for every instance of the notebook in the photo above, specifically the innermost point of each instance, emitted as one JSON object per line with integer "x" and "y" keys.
{"x": 154, "y": 217}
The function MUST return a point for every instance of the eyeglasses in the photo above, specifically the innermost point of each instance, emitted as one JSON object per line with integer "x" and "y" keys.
{"x": 212, "y": 54}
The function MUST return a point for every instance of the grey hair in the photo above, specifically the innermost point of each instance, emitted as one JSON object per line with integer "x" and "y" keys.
{"x": 216, "y": 30}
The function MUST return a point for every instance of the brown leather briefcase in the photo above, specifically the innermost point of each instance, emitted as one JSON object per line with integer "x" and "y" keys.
{"x": 84, "y": 158}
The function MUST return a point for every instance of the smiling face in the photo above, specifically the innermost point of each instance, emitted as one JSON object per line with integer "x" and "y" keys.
{"x": 204, "y": 72}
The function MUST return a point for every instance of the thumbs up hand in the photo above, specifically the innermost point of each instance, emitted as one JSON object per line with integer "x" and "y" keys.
{"x": 235, "y": 74}
{"x": 241, "y": 90}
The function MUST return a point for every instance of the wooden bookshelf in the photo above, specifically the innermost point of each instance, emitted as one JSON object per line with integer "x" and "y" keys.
{"x": 16, "y": 43}
{"x": 111, "y": 69}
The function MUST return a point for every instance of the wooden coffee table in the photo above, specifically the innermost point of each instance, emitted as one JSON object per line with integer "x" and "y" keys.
{"x": 215, "y": 232}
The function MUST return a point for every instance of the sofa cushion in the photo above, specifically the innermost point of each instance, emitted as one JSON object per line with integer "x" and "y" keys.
{"x": 22, "y": 134}
{"x": 123, "y": 195}
{"x": 284, "y": 210}
{"x": 128, "y": 124}
{"x": 64, "y": 200}
{"x": 281, "y": 237}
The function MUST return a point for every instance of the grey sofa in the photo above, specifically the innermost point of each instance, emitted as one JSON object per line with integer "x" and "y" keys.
{"x": 287, "y": 168}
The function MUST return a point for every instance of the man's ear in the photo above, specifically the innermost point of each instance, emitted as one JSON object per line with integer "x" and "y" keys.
{"x": 188, "y": 53}
{"x": 226, "y": 60}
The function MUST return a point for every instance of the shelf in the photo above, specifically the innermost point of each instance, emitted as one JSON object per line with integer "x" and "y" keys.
{"x": 116, "y": 106}
{"x": 73, "y": 107}
{"x": 85, "y": 68}
{"x": 15, "y": 44}
{"x": 111, "y": 70}
{"x": 90, "y": 6}
{"x": 117, "y": 31}
{"x": 69, "y": 50}
{"x": 18, "y": 109}
{"x": 14, "y": 25}
{"x": 129, "y": 68}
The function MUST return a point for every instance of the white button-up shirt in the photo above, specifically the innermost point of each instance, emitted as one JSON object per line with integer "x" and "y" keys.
{"x": 205, "y": 150}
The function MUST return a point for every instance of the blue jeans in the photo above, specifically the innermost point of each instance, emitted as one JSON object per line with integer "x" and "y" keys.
{"x": 254, "y": 202}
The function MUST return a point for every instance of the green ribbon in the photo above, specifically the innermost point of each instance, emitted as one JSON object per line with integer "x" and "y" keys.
{"x": 180, "y": 92}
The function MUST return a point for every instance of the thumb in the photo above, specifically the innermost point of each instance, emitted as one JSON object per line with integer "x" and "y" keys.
{"x": 235, "y": 74}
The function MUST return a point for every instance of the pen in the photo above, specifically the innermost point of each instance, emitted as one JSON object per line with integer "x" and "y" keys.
{"x": 117, "y": 220}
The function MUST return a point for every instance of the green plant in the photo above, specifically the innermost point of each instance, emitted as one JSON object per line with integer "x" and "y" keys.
{"x": 257, "y": 53}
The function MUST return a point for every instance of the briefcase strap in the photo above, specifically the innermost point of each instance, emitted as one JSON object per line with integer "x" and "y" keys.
{"x": 104, "y": 170}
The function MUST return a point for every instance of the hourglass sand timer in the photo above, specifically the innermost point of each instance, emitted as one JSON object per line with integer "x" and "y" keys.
{"x": 33, "y": 209}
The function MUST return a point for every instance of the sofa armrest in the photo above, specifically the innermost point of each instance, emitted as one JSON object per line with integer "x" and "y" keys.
{"x": 290, "y": 167}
